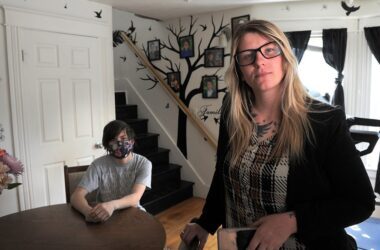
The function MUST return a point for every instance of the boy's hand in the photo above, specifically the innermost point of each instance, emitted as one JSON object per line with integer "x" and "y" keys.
{"x": 102, "y": 211}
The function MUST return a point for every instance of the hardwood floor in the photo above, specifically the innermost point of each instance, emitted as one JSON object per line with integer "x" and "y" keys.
{"x": 175, "y": 218}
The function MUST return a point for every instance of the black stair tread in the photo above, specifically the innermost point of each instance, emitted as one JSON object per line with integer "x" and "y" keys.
{"x": 133, "y": 120}
{"x": 163, "y": 193}
{"x": 154, "y": 151}
{"x": 144, "y": 135}
{"x": 168, "y": 167}
{"x": 126, "y": 105}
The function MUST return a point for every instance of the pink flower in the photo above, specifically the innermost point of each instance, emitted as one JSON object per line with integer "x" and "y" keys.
{"x": 15, "y": 165}
{"x": 9, "y": 165}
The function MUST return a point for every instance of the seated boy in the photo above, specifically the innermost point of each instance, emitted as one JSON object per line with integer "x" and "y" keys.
{"x": 120, "y": 177}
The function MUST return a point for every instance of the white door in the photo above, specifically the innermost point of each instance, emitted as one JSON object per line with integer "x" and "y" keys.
{"x": 61, "y": 106}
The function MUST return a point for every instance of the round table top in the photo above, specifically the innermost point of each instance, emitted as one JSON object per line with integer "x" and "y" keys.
{"x": 62, "y": 227}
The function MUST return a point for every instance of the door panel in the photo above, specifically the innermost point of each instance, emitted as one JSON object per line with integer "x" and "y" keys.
{"x": 61, "y": 103}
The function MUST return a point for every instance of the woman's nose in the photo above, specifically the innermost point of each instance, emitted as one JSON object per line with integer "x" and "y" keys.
{"x": 260, "y": 59}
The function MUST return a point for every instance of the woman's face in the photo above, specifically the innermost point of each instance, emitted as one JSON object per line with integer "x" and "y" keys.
{"x": 264, "y": 74}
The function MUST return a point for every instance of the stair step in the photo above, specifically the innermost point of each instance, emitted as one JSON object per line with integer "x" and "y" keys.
{"x": 120, "y": 98}
{"x": 140, "y": 126}
{"x": 145, "y": 142}
{"x": 124, "y": 112}
{"x": 157, "y": 156}
{"x": 157, "y": 202}
{"x": 158, "y": 168}
{"x": 170, "y": 176}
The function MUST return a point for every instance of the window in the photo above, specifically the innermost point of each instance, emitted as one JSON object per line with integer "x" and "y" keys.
{"x": 317, "y": 76}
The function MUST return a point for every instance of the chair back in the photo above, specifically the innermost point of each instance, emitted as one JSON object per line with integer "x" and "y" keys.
{"x": 73, "y": 175}
{"x": 371, "y": 137}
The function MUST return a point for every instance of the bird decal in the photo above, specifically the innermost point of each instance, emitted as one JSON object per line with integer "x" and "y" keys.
{"x": 124, "y": 58}
{"x": 65, "y": 6}
{"x": 203, "y": 117}
{"x": 167, "y": 105}
{"x": 349, "y": 9}
{"x": 150, "y": 28}
{"x": 216, "y": 120}
{"x": 98, "y": 14}
{"x": 131, "y": 28}
{"x": 204, "y": 27}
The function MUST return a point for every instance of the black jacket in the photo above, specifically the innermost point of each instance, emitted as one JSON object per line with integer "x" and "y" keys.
{"x": 329, "y": 190}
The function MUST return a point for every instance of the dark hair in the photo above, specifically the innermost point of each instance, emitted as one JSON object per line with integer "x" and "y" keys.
{"x": 113, "y": 129}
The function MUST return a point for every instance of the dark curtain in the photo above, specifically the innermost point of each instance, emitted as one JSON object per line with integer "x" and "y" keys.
{"x": 334, "y": 52}
{"x": 372, "y": 35}
{"x": 298, "y": 40}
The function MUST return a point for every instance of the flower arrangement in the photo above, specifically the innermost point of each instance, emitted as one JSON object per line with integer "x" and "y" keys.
{"x": 9, "y": 165}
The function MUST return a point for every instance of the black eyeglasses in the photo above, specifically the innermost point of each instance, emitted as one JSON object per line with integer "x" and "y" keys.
{"x": 247, "y": 57}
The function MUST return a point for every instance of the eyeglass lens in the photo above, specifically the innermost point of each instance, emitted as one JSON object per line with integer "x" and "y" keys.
{"x": 247, "y": 57}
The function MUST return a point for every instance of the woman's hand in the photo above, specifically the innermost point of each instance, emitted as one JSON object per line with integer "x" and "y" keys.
{"x": 101, "y": 212}
{"x": 193, "y": 230}
{"x": 273, "y": 230}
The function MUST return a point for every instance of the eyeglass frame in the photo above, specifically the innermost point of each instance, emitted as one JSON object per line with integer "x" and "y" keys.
{"x": 257, "y": 50}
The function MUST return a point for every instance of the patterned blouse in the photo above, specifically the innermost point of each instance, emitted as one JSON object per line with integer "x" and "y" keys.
{"x": 256, "y": 186}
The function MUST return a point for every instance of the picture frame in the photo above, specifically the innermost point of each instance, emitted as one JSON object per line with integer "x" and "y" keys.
{"x": 154, "y": 50}
{"x": 186, "y": 46}
{"x": 209, "y": 87}
{"x": 236, "y": 21}
{"x": 174, "y": 80}
{"x": 214, "y": 57}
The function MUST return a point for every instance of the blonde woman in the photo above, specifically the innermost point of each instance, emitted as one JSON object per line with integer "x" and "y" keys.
{"x": 286, "y": 164}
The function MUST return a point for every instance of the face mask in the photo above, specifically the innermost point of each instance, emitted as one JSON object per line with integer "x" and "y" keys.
{"x": 120, "y": 149}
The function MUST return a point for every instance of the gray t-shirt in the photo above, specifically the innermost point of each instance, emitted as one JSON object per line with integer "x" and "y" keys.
{"x": 114, "y": 180}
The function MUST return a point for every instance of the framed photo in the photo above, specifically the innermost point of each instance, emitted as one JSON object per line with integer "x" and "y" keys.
{"x": 154, "y": 52}
{"x": 186, "y": 46}
{"x": 174, "y": 80}
{"x": 209, "y": 86}
{"x": 236, "y": 21}
{"x": 214, "y": 57}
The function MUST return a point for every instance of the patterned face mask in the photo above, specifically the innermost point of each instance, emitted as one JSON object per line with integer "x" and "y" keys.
{"x": 120, "y": 149}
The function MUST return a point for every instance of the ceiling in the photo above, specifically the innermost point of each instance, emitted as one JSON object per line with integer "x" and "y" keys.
{"x": 168, "y": 9}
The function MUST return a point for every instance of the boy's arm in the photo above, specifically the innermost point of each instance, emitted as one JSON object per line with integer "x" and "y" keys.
{"x": 131, "y": 200}
{"x": 79, "y": 202}
{"x": 103, "y": 211}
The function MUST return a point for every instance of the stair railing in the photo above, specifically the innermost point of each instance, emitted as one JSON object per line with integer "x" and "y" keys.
{"x": 144, "y": 60}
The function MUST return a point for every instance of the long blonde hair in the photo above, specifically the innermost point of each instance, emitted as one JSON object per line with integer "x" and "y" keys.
{"x": 294, "y": 125}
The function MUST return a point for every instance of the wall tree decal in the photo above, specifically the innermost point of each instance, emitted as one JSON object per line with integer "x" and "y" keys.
{"x": 192, "y": 65}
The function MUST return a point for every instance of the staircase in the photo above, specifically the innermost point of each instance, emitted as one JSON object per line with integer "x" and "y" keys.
{"x": 167, "y": 187}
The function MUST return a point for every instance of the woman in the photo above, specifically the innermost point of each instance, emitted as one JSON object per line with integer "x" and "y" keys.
{"x": 119, "y": 177}
{"x": 285, "y": 163}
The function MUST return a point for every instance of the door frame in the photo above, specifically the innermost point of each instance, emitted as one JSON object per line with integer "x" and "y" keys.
{"x": 19, "y": 18}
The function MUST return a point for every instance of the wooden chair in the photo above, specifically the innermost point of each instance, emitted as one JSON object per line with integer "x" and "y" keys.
{"x": 73, "y": 175}
{"x": 371, "y": 137}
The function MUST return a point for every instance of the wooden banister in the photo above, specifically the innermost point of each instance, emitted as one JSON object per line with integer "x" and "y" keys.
{"x": 195, "y": 121}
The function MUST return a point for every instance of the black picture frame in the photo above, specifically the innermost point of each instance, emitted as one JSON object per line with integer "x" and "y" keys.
{"x": 174, "y": 80}
{"x": 236, "y": 21}
{"x": 214, "y": 57}
{"x": 154, "y": 50}
{"x": 209, "y": 87}
{"x": 186, "y": 46}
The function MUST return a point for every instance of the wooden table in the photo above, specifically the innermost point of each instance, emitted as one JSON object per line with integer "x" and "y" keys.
{"x": 62, "y": 227}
